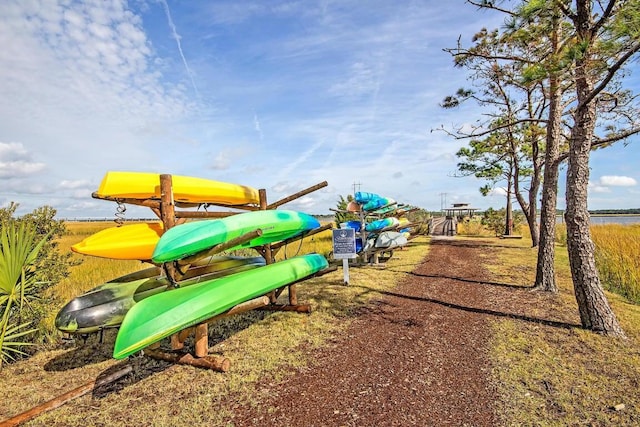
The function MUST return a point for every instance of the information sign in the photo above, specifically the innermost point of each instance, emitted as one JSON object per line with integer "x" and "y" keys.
{"x": 344, "y": 243}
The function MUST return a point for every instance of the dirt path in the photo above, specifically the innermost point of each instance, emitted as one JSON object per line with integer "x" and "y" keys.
{"x": 415, "y": 356}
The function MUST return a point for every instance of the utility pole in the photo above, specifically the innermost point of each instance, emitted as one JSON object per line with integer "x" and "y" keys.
{"x": 443, "y": 201}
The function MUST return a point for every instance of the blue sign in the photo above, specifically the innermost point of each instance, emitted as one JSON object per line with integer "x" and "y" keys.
{"x": 344, "y": 243}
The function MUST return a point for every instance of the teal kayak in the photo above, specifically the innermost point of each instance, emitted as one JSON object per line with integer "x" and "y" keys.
{"x": 106, "y": 305}
{"x": 372, "y": 201}
{"x": 378, "y": 203}
{"x": 191, "y": 238}
{"x": 381, "y": 224}
{"x": 363, "y": 197}
{"x": 162, "y": 315}
{"x": 388, "y": 209}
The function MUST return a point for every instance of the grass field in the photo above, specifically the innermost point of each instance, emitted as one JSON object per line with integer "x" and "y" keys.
{"x": 618, "y": 258}
{"x": 545, "y": 375}
{"x": 550, "y": 376}
{"x": 259, "y": 344}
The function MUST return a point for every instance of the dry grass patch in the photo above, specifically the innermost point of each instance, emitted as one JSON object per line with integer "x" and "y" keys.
{"x": 263, "y": 348}
{"x": 558, "y": 376}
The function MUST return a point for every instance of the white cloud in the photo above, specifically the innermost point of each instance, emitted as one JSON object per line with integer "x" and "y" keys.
{"x": 73, "y": 185}
{"x": 618, "y": 181}
{"x": 498, "y": 191}
{"x": 598, "y": 188}
{"x": 16, "y": 161}
{"x": 291, "y": 93}
{"x": 362, "y": 80}
{"x": 225, "y": 157}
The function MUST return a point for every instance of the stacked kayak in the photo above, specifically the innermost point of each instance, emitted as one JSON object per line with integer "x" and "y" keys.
{"x": 118, "y": 185}
{"x": 126, "y": 242}
{"x": 382, "y": 227}
{"x": 146, "y": 305}
{"x": 164, "y": 314}
{"x": 106, "y": 305}
{"x": 382, "y": 224}
{"x": 188, "y": 239}
{"x": 372, "y": 201}
{"x": 387, "y": 240}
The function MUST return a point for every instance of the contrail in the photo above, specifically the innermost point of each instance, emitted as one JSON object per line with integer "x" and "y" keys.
{"x": 176, "y": 36}
{"x": 256, "y": 124}
{"x": 301, "y": 159}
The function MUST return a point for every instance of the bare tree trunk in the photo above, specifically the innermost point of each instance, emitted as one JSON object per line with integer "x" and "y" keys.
{"x": 595, "y": 312}
{"x": 532, "y": 216}
{"x": 545, "y": 268}
{"x": 529, "y": 208}
{"x": 508, "y": 228}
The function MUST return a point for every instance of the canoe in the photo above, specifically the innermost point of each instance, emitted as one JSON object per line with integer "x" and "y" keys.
{"x": 187, "y": 189}
{"x": 131, "y": 241}
{"x": 381, "y": 224}
{"x": 191, "y": 238}
{"x": 403, "y": 222}
{"x": 106, "y": 305}
{"x": 164, "y": 314}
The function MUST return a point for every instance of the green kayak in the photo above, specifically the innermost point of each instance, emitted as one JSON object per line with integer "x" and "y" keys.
{"x": 190, "y": 238}
{"x": 162, "y": 315}
{"x": 106, "y": 305}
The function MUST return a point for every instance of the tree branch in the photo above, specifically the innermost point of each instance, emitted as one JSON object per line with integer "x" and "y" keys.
{"x": 616, "y": 137}
{"x": 603, "y": 19}
{"x": 490, "y": 5}
{"x": 611, "y": 71}
{"x": 459, "y": 135}
{"x": 566, "y": 11}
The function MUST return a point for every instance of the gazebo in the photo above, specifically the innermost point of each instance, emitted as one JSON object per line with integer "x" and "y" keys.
{"x": 460, "y": 211}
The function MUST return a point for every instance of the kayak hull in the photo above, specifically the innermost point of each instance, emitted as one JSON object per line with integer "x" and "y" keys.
{"x": 126, "y": 242}
{"x": 381, "y": 224}
{"x": 106, "y": 305}
{"x": 162, "y": 315}
{"x": 191, "y": 238}
{"x": 186, "y": 189}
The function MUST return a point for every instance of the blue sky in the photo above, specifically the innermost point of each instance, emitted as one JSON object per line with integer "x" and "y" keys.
{"x": 278, "y": 95}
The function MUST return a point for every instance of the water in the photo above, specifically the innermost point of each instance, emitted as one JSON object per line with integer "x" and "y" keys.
{"x": 627, "y": 219}
{"x": 606, "y": 219}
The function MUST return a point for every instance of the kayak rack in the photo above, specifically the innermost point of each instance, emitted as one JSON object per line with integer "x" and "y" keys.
{"x": 371, "y": 257}
{"x": 165, "y": 209}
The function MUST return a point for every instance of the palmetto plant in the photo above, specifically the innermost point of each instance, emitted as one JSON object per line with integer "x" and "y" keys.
{"x": 19, "y": 248}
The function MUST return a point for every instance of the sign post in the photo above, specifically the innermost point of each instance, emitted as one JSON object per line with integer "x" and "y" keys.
{"x": 344, "y": 247}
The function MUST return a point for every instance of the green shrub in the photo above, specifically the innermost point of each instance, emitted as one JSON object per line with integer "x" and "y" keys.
{"x": 496, "y": 220}
{"x": 29, "y": 276}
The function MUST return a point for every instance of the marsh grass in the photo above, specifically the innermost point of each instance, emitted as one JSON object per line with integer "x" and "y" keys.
{"x": 618, "y": 258}
{"x": 263, "y": 347}
{"x": 551, "y": 376}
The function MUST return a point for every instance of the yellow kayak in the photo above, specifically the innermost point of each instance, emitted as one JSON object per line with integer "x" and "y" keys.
{"x": 186, "y": 189}
{"x": 132, "y": 241}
